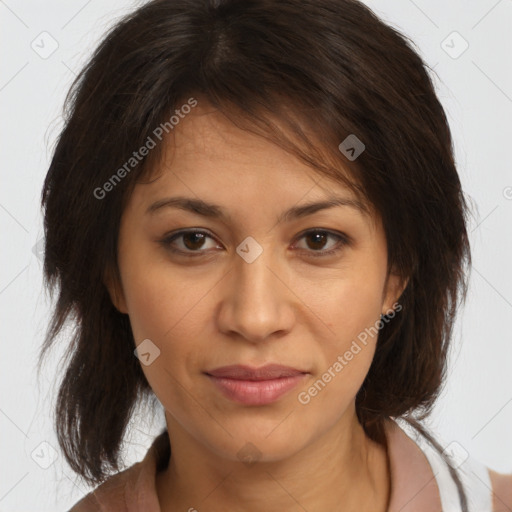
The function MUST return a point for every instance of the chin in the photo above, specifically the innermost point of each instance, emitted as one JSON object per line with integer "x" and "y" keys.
{"x": 258, "y": 443}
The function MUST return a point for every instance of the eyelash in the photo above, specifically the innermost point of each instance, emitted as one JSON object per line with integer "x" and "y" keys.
{"x": 343, "y": 240}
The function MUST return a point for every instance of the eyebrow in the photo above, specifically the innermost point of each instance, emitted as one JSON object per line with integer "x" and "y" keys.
{"x": 210, "y": 210}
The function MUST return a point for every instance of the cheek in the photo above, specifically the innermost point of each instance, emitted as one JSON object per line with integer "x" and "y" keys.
{"x": 160, "y": 299}
{"x": 352, "y": 306}
{"x": 346, "y": 355}
{"x": 170, "y": 310}
{"x": 167, "y": 312}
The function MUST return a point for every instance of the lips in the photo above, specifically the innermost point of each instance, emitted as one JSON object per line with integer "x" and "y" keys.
{"x": 255, "y": 386}
{"x": 243, "y": 372}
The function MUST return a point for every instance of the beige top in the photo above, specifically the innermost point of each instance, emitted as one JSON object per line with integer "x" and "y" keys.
{"x": 420, "y": 480}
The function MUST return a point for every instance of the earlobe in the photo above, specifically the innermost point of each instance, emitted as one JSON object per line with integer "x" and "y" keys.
{"x": 113, "y": 284}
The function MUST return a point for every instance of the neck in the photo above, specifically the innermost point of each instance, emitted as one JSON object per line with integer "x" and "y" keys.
{"x": 342, "y": 468}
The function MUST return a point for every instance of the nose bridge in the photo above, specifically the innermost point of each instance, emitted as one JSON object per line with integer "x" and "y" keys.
{"x": 254, "y": 278}
{"x": 256, "y": 305}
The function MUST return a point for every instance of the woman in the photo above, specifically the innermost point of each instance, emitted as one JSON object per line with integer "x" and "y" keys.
{"x": 253, "y": 216}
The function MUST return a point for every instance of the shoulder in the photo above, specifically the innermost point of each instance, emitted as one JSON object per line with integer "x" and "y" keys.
{"x": 135, "y": 484}
{"x": 110, "y": 495}
{"x": 87, "y": 504}
{"x": 502, "y": 491}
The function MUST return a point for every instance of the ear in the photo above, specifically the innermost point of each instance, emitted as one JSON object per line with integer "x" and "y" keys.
{"x": 112, "y": 282}
{"x": 393, "y": 289}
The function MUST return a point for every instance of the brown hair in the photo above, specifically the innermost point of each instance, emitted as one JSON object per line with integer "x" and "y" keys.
{"x": 328, "y": 65}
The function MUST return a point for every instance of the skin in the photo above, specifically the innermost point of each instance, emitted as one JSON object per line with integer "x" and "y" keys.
{"x": 287, "y": 307}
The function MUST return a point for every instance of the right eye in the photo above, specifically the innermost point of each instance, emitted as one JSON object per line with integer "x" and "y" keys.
{"x": 191, "y": 242}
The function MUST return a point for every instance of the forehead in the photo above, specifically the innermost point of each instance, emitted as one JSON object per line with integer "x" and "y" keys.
{"x": 206, "y": 134}
{"x": 206, "y": 140}
{"x": 207, "y": 156}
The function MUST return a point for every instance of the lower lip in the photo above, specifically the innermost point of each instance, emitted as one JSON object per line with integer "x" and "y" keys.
{"x": 251, "y": 392}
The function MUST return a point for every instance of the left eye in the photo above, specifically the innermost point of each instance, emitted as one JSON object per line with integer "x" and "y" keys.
{"x": 319, "y": 237}
{"x": 193, "y": 241}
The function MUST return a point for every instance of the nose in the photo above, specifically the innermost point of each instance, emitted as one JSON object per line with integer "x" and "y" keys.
{"x": 257, "y": 302}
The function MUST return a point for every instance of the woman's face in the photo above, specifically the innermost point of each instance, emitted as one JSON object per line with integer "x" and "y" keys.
{"x": 256, "y": 287}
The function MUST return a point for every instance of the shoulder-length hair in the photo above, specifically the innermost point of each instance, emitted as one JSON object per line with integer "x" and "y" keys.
{"x": 305, "y": 74}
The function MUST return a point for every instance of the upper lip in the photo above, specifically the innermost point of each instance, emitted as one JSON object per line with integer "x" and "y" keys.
{"x": 244, "y": 372}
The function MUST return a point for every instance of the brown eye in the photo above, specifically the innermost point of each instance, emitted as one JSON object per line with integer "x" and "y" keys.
{"x": 318, "y": 239}
{"x": 319, "y": 242}
{"x": 191, "y": 242}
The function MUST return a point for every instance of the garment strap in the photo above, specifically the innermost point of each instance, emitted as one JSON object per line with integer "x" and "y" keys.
{"x": 474, "y": 476}
{"x": 477, "y": 484}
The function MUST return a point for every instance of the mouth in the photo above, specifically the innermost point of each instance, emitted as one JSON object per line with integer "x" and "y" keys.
{"x": 255, "y": 386}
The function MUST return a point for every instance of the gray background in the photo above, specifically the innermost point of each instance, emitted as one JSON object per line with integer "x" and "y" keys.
{"x": 475, "y": 86}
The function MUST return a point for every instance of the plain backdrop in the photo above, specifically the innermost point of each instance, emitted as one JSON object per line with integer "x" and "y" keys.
{"x": 43, "y": 45}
